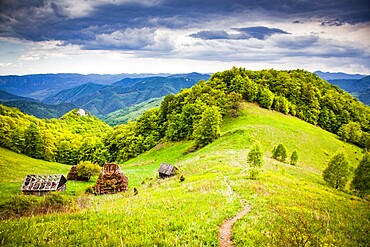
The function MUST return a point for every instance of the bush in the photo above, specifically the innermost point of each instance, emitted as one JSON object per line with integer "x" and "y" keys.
{"x": 85, "y": 169}
{"x": 280, "y": 153}
{"x": 294, "y": 158}
{"x": 254, "y": 173}
{"x": 336, "y": 173}
{"x": 361, "y": 180}
{"x": 255, "y": 156}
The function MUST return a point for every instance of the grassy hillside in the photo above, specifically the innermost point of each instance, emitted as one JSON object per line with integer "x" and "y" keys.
{"x": 285, "y": 200}
{"x": 14, "y": 168}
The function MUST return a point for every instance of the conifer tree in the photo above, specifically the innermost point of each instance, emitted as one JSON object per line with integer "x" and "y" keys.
{"x": 280, "y": 153}
{"x": 294, "y": 158}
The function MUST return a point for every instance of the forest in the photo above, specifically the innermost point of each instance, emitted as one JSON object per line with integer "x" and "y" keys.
{"x": 195, "y": 113}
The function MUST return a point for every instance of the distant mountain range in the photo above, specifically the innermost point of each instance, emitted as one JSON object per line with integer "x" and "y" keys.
{"x": 34, "y": 107}
{"x": 357, "y": 85}
{"x": 327, "y": 76}
{"x": 40, "y": 86}
{"x": 116, "y": 98}
{"x": 100, "y": 100}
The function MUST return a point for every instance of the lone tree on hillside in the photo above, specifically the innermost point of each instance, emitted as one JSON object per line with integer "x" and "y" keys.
{"x": 255, "y": 156}
{"x": 361, "y": 180}
{"x": 255, "y": 160}
{"x": 294, "y": 158}
{"x": 337, "y": 173}
{"x": 280, "y": 153}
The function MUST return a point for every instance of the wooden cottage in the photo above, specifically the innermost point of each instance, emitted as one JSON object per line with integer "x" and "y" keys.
{"x": 43, "y": 184}
{"x": 167, "y": 170}
{"x": 111, "y": 180}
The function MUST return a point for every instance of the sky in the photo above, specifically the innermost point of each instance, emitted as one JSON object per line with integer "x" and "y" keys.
{"x": 180, "y": 36}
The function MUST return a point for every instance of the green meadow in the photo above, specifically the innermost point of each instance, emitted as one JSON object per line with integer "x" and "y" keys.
{"x": 291, "y": 205}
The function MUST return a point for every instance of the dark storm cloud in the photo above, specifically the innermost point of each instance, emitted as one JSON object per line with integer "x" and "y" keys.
{"x": 260, "y": 33}
{"x": 38, "y": 20}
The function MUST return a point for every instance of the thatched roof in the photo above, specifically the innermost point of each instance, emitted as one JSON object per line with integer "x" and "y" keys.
{"x": 43, "y": 183}
{"x": 167, "y": 169}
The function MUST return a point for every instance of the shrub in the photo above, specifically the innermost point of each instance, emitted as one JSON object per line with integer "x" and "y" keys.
{"x": 255, "y": 156}
{"x": 85, "y": 169}
{"x": 280, "y": 153}
{"x": 336, "y": 173}
{"x": 254, "y": 173}
{"x": 294, "y": 158}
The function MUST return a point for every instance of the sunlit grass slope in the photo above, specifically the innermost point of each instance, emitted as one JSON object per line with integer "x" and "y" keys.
{"x": 284, "y": 200}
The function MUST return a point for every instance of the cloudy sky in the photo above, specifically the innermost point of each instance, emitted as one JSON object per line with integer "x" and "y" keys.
{"x": 174, "y": 36}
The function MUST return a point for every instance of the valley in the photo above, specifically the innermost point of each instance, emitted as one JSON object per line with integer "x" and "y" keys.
{"x": 206, "y": 131}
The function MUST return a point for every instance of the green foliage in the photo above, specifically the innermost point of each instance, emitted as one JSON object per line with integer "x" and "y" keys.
{"x": 351, "y": 132}
{"x": 361, "y": 179}
{"x": 233, "y": 106}
{"x": 265, "y": 98}
{"x": 254, "y": 173}
{"x": 255, "y": 156}
{"x": 299, "y": 93}
{"x": 33, "y": 142}
{"x": 85, "y": 169}
{"x": 208, "y": 128}
{"x": 294, "y": 158}
{"x": 336, "y": 174}
{"x": 280, "y": 153}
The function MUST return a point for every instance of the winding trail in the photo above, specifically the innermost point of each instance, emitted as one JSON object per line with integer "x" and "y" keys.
{"x": 224, "y": 233}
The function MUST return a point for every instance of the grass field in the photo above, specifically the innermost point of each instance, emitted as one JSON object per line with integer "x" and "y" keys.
{"x": 291, "y": 205}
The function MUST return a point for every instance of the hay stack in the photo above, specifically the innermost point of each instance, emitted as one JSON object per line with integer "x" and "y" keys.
{"x": 111, "y": 180}
{"x": 73, "y": 175}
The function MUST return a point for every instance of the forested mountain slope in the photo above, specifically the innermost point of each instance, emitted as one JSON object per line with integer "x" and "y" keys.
{"x": 66, "y": 140}
{"x": 101, "y": 100}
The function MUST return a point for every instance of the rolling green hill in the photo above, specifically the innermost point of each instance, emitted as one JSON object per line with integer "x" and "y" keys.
{"x": 289, "y": 203}
{"x": 131, "y": 113}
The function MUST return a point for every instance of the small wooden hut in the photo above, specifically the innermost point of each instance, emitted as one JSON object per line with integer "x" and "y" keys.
{"x": 111, "y": 180}
{"x": 167, "y": 170}
{"x": 43, "y": 184}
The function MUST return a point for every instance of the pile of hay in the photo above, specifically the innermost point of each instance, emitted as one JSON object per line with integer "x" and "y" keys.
{"x": 111, "y": 180}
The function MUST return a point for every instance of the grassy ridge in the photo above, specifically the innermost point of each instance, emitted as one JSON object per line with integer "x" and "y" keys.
{"x": 170, "y": 212}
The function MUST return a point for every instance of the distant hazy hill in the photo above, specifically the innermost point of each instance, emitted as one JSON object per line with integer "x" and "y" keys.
{"x": 359, "y": 88}
{"x": 101, "y": 100}
{"x": 5, "y": 96}
{"x": 40, "y": 86}
{"x": 34, "y": 107}
{"x": 339, "y": 75}
{"x": 357, "y": 85}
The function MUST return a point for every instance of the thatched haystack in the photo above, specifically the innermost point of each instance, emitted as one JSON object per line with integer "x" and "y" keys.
{"x": 111, "y": 180}
{"x": 73, "y": 175}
